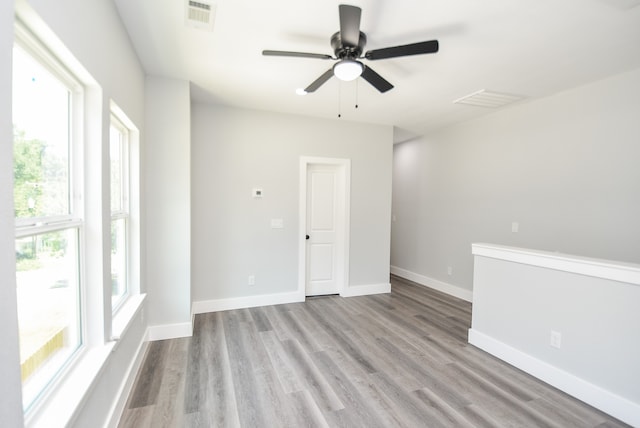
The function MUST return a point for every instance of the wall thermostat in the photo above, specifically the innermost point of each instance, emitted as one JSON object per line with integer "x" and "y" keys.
{"x": 256, "y": 193}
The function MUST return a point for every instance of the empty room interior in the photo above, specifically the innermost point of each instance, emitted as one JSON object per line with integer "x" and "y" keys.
{"x": 281, "y": 214}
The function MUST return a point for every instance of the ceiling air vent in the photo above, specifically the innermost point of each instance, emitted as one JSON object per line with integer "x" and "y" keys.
{"x": 484, "y": 98}
{"x": 200, "y": 14}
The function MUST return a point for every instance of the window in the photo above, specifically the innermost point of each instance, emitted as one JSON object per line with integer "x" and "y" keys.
{"x": 119, "y": 156}
{"x": 47, "y": 102}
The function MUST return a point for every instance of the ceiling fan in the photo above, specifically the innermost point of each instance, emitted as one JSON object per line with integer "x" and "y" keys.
{"x": 348, "y": 46}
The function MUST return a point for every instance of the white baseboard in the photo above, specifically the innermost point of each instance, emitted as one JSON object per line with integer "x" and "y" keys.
{"x": 204, "y": 306}
{"x": 365, "y": 290}
{"x": 616, "y": 406}
{"x": 169, "y": 331}
{"x": 453, "y": 290}
{"x": 127, "y": 385}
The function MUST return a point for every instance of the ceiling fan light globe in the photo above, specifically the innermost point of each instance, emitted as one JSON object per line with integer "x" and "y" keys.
{"x": 348, "y": 69}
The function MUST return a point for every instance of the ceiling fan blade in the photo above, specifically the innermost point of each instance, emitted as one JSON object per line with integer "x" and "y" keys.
{"x": 319, "y": 81}
{"x": 349, "y": 25}
{"x": 296, "y": 54}
{"x": 431, "y": 46}
{"x": 376, "y": 80}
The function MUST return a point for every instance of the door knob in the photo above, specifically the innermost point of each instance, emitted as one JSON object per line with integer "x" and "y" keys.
{"x": 307, "y": 237}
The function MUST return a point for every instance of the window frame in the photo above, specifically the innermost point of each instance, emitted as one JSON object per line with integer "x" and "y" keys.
{"x": 33, "y": 47}
{"x": 75, "y": 218}
{"x": 124, "y": 213}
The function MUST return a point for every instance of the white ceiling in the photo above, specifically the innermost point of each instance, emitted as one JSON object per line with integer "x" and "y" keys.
{"x": 532, "y": 48}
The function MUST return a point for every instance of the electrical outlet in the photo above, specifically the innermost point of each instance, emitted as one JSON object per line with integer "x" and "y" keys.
{"x": 449, "y": 270}
{"x": 252, "y": 280}
{"x": 556, "y": 339}
{"x": 515, "y": 227}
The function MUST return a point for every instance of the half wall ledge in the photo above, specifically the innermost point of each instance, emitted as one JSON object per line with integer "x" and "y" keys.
{"x": 570, "y": 321}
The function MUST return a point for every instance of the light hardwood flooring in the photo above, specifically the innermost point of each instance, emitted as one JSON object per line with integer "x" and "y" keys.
{"x": 394, "y": 360}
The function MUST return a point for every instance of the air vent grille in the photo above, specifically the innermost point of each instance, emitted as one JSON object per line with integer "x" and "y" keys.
{"x": 489, "y": 99}
{"x": 200, "y": 15}
{"x": 199, "y": 12}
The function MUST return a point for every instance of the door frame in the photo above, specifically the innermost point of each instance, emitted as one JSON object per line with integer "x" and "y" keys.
{"x": 342, "y": 236}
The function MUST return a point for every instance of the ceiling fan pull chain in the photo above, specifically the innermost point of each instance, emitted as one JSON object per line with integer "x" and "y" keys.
{"x": 357, "y": 86}
{"x": 339, "y": 99}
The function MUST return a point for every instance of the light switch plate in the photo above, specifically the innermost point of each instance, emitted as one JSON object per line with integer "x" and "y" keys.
{"x": 277, "y": 223}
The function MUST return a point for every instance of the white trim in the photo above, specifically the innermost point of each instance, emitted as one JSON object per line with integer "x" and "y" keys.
{"x": 124, "y": 391}
{"x": 345, "y": 191}
{"x": 169, "y": 331}
{"x": 452, "y": 290}
{"x": 366, "y": 290}
{"x": 594, "y": 395}
{"x": 67, "y": 396}
{"x": 38, "y": 225}
{"x": 205, "y": 306}
{"x": 616, "y": 271}
{"x": 122, "y": 319}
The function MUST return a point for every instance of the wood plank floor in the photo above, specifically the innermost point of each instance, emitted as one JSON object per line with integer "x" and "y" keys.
{"x": 393, "y": 360}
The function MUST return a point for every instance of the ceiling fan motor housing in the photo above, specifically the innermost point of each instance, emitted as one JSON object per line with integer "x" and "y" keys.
{"x": 342, "y": 51}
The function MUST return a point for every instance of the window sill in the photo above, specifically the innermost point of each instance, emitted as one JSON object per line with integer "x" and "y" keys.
{"x": 122, "y": 318}
{"x": 64, "y": 400}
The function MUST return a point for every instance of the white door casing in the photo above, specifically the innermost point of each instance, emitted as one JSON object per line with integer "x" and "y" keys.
{"x": 324, "y": 214}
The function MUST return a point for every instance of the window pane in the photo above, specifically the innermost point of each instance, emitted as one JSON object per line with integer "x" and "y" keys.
{"x": 41, "y": 106}
{"x": 118, "y": 261}
{"x": 116, "y": 143}
{"x": 48, "y": 285}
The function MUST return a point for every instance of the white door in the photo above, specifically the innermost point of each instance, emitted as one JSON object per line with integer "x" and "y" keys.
{"x": 323, "y": 230}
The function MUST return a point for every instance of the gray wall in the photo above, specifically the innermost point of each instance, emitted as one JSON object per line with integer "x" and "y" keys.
{"x": 168, "y": 202}
{"x": 236, "y": 150}
{"x": 564, "y": 167}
